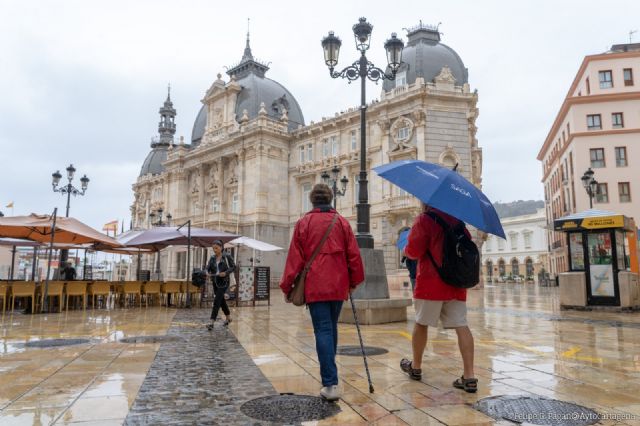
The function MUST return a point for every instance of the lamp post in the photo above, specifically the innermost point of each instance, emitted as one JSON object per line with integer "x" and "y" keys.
{"x": 69, "y": 190}
{"x": 590, "y": 185}
{"x": 363, "y": 69}
{"x": 332, "y": 181}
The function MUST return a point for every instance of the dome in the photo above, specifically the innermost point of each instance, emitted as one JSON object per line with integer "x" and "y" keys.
{"x": 153, "y": 163}
{"x": 255, "y": 89}
{"x": 424, "y": 56}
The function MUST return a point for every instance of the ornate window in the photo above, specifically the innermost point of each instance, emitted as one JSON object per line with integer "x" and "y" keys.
{"x": 215, "y": 205}
{"x": 354, "y": 142}
{"x": 527, "y": 239}
{"x": 401, "y": 79}
{"x": 302, "y": 154}
{"x": 529, "y": 267}
{"x": 335, "y": 146}
{"x": 515, "y": 267}
{"x": 325, "y": 148}
{"x": 513, "y": 240}
{"x": 501, "y": 267}
{"x": 310, "y": 152}
{"x": 306, "y": 203}
{"x": 401, "y": 133}
{"x": 235, "y": 203}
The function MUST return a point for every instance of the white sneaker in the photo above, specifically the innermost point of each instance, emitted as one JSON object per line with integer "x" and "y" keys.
{"x": 330, "y": 393}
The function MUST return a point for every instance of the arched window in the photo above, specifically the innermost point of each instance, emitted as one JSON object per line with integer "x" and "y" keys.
{"x": 515, "y": 267}
{"x": 529, "y": 267}
{"x": 501, "y": 267}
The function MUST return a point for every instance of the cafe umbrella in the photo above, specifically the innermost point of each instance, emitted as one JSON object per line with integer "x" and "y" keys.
{"x": 446, "y": 190}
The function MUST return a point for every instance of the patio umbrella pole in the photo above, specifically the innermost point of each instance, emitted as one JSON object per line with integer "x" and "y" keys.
{"x": 188, "y": 223}
{"x": 35, "y": 264}
{"x": 13, "y": 261}
{"x": 46, "y": 281}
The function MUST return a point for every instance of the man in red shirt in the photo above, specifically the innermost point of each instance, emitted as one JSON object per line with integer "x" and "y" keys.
{"x": 436, "y": 300}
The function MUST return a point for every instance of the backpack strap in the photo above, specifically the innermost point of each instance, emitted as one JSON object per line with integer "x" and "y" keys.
{"x": 324, "y": 238}
{"x": 445, "y": 227}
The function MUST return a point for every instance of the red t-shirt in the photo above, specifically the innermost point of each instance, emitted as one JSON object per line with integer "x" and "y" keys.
{"x": 427, "y": 235}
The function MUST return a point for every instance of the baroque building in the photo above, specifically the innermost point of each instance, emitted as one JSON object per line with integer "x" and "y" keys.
{"x": 252, "y": 160}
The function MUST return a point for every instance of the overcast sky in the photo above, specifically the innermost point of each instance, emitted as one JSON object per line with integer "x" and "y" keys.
{"x": 82, "y": 81}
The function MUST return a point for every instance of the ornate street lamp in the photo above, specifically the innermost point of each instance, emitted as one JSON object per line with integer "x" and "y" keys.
{"x": 69, "y": 190}
{"x": 159, "y": 213}
{"x": 363, "y": 69}
{"x": 590, "y": 185}
{"x": 333, "y": 183}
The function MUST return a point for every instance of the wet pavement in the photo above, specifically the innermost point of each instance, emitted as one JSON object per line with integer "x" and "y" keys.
{"x": 525, "y": 346}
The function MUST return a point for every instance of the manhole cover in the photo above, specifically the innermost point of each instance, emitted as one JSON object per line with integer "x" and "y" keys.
{"x": 150, "y": 339}
{"x": 356, "y": 351}
{"x": 289, "y": 408}
{"x": 52, "y": 343}
{"x": 536, "y": 410}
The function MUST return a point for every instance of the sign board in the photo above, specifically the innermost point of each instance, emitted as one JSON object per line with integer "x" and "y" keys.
{"x": 245, "y": 285}
{"x": 261, "y": 283}
{"x": 596, "y": 222}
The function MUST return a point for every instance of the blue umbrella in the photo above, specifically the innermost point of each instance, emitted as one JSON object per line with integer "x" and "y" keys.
{"x": 446, "y": 190}
{"x": 403, "y": 239}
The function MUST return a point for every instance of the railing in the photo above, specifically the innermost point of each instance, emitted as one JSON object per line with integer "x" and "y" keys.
{"x": 402, "y": 202}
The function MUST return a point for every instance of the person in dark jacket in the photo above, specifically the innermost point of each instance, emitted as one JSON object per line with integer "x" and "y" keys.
{"x": 69, "y": 272}
{"x": 220, "y": 266}
{"x": 336, "y": 271}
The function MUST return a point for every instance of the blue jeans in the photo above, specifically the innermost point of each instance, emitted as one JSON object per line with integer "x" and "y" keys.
{"x": 324, "y": 316}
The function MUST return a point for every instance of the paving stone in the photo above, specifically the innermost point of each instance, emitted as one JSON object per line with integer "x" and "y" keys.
{"x": 201, "y": 378}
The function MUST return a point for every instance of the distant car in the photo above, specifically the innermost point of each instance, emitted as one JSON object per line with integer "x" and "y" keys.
{"x": 517, "y": 279}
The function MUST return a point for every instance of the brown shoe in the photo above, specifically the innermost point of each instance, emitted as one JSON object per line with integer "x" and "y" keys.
{"x": 407, "y": 367}
{"x": 468, "y": 385}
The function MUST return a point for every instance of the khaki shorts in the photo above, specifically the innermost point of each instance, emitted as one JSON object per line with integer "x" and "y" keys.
{"x": 452, "y": 313}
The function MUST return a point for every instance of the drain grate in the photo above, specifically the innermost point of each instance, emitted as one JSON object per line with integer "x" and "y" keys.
{"x": 289, "y": 408}
{"x": 53, "y": 343}
{"x": 150, "y": 339}
{"x": 356, "y": 351}
{"x": 537, "y": 411}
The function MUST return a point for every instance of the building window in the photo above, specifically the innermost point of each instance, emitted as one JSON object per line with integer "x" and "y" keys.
{"x": 501, "y": 267}
{"x": 215, "y": 205}
{"x": 606, "y": 79}
{"x": 354, "y": 142}
{"x": 310, "y": 152}
{"x": 401, "y": 79}
{"x": 624, "y": 192}
{"x": 500, "y": 244}
{"x": 306, "y": 203}
{"x": 616, "y": 120}
{"x": 403, "y": 133}
{"x": 529, "y": 267}
{"x": 594, "y": 122}
{"x": 515, "y": 267}
{"x": 597, "y": 157}
{"x": 488, "y": 243}
{"x": 335, "y": 146}
{"x": 602, "y": 193}
{"x": 628, "y": 76}
{"x": 235, "y": 203}
{"x": 621, "y": 156}
{"x": 513, "y": 239}
{"x": 302, "y": 154}
{"x": 325, "y": 148}
{"x": 527, "y": 240}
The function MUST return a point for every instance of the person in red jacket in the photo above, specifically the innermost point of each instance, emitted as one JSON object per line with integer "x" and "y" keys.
{"x": 334, "y": 273}
{"x": 436, "y": 300}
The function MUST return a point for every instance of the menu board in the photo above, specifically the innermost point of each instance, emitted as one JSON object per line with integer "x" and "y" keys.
{"x": 245, "y": 288}
{"x": 262, "y": 283}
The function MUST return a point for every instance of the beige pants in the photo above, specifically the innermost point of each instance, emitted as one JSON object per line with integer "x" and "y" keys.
{"x": 452, "y": 313}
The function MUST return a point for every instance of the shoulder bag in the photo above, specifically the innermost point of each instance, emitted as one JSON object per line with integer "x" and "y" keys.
{"x": 296, "y": 295}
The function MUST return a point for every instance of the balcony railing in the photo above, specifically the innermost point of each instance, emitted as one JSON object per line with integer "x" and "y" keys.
{"x": 402, "y": 202}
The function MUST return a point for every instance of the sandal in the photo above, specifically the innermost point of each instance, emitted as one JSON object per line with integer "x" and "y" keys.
{"x": 469, "y": 385}
{"x": 407, "y": 367}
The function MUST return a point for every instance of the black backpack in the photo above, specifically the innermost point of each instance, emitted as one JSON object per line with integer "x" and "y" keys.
{"x": 460, "y": 257}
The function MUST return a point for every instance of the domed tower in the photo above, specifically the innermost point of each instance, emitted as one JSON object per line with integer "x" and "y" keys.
{"x": 255, "y": 89}
{"x": 425, "y": 56}
{"x": 160, "y": 144}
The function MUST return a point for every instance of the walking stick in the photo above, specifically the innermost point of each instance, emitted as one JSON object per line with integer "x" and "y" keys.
{"x": 364, "y": 356}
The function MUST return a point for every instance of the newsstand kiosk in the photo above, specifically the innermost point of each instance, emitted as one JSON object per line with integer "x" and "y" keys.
{"x": 603, "y": 261}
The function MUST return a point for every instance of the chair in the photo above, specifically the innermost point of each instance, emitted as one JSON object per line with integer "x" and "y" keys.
{"x": 170, "y": 287}
{"x": 77, "y": 288}
{"x": 133, "y": 288}
{"x": 54, "y": 289}
{"x": 23, "y": 289}
{"x": 151, "y": 288}
{"x": 100, "y": 288}
{"x": 4, "y": 294}
{"x": 194, "y": 291}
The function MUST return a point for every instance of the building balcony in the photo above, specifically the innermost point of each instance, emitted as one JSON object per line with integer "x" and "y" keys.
{"x": 403, "y": 202}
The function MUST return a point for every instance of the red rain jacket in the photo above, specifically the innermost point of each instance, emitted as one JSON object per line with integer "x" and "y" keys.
{"x": 335, "y": 269}
{"x": 425, "y": 235}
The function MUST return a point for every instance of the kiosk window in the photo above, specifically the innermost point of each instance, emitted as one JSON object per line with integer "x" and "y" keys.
{"x": 577, "y": 251}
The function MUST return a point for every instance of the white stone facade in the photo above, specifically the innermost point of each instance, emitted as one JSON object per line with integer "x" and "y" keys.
{"x": 523, "y": 254}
